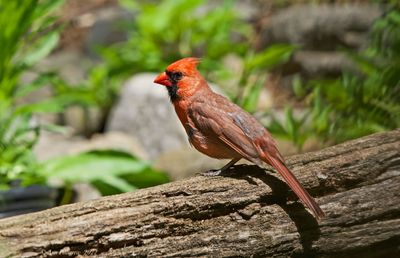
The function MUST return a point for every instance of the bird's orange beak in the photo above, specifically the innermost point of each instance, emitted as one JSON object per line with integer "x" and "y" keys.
{"x": 163, "y": 79}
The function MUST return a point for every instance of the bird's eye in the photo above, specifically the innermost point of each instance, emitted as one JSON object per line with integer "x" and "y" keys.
{"x": 175, "y": 76}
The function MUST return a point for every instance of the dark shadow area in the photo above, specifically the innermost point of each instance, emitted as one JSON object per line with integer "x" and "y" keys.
{"x": 307, "y": 225}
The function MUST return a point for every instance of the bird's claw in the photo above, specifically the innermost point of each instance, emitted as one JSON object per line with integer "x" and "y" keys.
{"x": 212, "y": 172}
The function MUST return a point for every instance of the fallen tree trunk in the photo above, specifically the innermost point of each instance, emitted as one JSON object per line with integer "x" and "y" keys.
{"x": 248, "y": 213}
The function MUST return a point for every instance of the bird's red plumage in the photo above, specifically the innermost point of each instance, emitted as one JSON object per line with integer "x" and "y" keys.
{"x": 221, "y": 129}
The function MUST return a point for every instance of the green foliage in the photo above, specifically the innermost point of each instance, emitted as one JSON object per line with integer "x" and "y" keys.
{"x": 165, "y": 31}
{"x": 99, "y": 90}
{"x": 270, "y": 57}
{"x": 252, "y": 79}
{"x": 355, "y": 104}
{"x": 26, "y": 37}
{"x": 17, "y": 137}
{"x": 293, "y": 128}
{"x": 109, "y": 171}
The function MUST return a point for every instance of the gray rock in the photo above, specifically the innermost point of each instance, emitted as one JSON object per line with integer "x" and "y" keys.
{"x": 186, "y": 162}
{"x": 246, "y": 9}
{"x": 52, "y": 145}
{"x": 113, "y": 140}
{"x": 317, "y": 64}
{"x": 70, "y": 64}
{"x": 83, "y": 121}
{"x": 321, "y": 27}
{"x": 144, "y": 111}
{"x": 106, "y": 28}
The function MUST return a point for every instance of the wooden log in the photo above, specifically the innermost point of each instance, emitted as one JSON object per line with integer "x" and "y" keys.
{"x": 249, "y": 212}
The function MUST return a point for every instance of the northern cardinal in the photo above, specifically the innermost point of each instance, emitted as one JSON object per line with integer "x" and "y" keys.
{"x": 221, "y": 129}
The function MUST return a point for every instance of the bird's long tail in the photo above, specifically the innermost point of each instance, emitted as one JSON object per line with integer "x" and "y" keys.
{"x": 296, "y": 187}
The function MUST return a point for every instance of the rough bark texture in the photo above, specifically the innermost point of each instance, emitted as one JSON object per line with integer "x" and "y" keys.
{"x": 248, "y": 213}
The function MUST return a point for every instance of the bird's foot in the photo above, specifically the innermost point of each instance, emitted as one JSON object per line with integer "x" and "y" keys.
{"x": 212, "y": 172}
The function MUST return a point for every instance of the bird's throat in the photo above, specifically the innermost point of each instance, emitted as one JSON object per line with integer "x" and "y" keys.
{"x": 173, "y": 92}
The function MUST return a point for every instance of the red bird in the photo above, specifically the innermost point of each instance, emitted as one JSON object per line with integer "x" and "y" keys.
{"x": 221, "y": 129}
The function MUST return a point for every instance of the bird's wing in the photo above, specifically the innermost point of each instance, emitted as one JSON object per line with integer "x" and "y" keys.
{"x": 218, "y": 117}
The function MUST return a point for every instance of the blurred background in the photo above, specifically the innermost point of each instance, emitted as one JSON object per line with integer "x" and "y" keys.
{"x": 80, "y": 116}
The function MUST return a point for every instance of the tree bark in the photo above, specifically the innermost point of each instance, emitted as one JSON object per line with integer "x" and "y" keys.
{"x": 249, "y": 212}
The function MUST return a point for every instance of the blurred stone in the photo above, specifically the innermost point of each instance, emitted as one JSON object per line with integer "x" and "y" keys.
{"x": 71, "y": 65}
{"x": 234, "y": 65}
{"x": 321, "y": 27}
{"x": 317, "y": 64}
{"x": 85, "y": 192}
{"x": 105, "y": 27}
{"x": 186, "y": 162}
{"x": 84, "y": 122}
{"x": 79, "y": 16}
{"x": 52, "y": 145}
{"x": 39, "y": 94}
{"x": 115, "y": 141}
{"x": 246, "y": 9}
{"x": 287, "y": 148}
{"x": 144, "y": 112}
{"x": 35, "y": 96}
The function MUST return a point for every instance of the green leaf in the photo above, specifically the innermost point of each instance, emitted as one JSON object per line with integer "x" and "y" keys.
{"x": 363, "y": 63}
{"x": 251, "y": 99}
{"x": 272, "y": 56}
{"x": 54, "y": 128}
{"x": 106, "y": 188}
{"x": 277, "y": 129}
{"x": 115, "y": 184}
{"x": 40, "y": 81}
{"x": 46, "y": 106}
{"x": 106, "y": 169}
{"x": 46, "y": 45}
{"x": 46, "y": 7}
{"x": 91, "y": 165}
{"x": 290, "y": 122}
{"x": 298, "y": 87}
{"x": 146, "y": 178}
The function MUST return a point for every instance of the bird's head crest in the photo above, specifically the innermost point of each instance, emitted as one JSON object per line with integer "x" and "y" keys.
{"x": 186, "y": 65}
